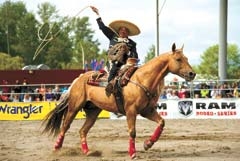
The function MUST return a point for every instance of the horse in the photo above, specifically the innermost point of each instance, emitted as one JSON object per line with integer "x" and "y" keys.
{"x": 140, "y": 98}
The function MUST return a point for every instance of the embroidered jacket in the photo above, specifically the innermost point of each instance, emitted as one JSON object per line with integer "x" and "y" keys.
{"x": 114, "y": 39}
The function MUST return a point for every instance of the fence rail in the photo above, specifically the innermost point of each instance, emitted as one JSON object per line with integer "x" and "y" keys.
{"x": 172, "y": 90}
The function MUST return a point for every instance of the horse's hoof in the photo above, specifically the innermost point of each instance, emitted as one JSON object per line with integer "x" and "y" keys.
{"x": 57, "y": 147}
{"x": 85, "y": 152}
{"x": 147, "y": 144}
{"x": 133, "y": 156}
{"x": 94, "y": 153}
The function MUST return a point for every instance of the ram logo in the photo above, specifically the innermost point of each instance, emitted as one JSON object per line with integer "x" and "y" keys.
{"x": 185, "y": 108}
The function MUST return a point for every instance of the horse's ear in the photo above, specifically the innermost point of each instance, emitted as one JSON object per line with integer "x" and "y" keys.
{"x": 182, "y": 47}
{"x": 173, "y": 47}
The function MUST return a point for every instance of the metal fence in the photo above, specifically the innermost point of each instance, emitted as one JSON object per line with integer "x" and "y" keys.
{"x": 172, "y": 90}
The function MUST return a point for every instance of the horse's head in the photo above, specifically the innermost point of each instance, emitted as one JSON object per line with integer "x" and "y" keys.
{"x": 179, "y": 65}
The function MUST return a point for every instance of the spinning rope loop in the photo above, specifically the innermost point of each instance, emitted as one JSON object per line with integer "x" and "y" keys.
{"x": 45, "y": 40}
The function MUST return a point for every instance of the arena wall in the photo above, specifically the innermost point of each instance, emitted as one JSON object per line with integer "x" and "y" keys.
{"x": 40, "y": 76}
{"x": 169, "y": 109}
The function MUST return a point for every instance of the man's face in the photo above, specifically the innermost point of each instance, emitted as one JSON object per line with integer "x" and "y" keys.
{"x": 123, "y": 32}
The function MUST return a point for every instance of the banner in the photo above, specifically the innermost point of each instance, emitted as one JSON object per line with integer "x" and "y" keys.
{"x": 33, "y": 111}
{"x": 168, "y": 109}
{"x": 200, "y": 108}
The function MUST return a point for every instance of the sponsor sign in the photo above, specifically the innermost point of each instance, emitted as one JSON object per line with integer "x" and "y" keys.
{"x": 33, "y": 111}
{"x": 200, "y": 108}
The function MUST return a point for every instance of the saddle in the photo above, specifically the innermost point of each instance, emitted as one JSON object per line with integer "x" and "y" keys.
{"x": 100, "y": 78}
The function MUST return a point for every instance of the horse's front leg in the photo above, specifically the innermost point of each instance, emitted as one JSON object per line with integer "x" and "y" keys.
{"x": 152, "y": 115}
{"x": 131, "y": 121}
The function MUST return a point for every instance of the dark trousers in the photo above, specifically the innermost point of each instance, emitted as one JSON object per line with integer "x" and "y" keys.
{"x": 114, "y": 70}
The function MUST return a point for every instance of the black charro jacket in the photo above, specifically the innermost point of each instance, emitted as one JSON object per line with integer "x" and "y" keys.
{"x": 113, "y": 37}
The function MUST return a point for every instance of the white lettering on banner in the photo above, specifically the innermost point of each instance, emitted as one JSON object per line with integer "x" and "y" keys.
{"x": 200, "y": 108}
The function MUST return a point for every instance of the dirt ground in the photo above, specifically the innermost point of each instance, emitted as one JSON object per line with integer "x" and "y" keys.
{"x": 182, "y": 140}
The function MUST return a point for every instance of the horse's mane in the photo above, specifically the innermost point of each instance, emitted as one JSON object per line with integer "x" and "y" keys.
{"x": 155, "y": 59}
{"x": 160, "y": 57}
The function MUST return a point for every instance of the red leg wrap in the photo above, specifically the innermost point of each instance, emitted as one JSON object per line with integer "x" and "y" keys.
{"x": 85, "y": 147}
{"x": 59, "y": 142}
{"x": 156, "y": 134}
{"x": 132, "y": 150}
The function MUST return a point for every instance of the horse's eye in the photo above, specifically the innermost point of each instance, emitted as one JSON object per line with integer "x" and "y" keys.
{"x": 178, "y": 59}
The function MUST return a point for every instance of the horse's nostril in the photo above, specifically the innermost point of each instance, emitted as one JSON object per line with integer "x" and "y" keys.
{"x": 192, "y": 74}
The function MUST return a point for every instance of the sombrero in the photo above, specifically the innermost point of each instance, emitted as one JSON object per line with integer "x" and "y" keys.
{"x": 133, "y": 29}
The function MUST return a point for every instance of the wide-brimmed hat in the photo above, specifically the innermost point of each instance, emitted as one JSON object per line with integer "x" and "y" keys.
{"x": 133, "y": 29}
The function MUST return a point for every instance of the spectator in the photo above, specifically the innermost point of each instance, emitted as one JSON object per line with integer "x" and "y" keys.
{"x": 235, "y": 91}
{"x": 49, "y": 96}
{"x": 17, "y": 88}
{"x": 215, "y": 92}
{"x": 42, "y": 91}
{"x": 224, "y": 90}
{"x": 24, "y": 88}
{"x": 182, "y": 92}
{"x": 204, "y": 91}
{"x": 163, "y": 95}
{"x": 56, "y": 93}
{"x": 27, "y": 98}
{"x": 174, "y": 95}
{"x": 15, "y": 98}
{"x": 6, "y": 90}
{"x": 169, "y": 93}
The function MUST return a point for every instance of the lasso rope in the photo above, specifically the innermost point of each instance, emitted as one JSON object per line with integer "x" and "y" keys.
{"x": 46, "y": 40}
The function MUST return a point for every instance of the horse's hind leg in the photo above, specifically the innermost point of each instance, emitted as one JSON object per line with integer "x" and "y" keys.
{"x": 92, "y": 113}
{"x": 152, "y": 115}
{"x": 68, "y": 118}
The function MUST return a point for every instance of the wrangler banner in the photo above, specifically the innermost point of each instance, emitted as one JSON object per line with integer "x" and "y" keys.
{"x": 33, "y": 111}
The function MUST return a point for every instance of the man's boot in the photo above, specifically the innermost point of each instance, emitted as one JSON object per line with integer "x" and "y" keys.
{"x": 109, "y": 89}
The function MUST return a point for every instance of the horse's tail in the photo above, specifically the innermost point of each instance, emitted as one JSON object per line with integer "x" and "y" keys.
{"x": 53, "y": 119}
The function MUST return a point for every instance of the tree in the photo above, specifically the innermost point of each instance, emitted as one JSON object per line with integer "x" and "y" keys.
{"x": 18, "y": 30}
{"x": 83, "y": 43}
{"x": 150, "y": 54}
{"x": 209, "y": 62}
{"x": 10, "y": 63}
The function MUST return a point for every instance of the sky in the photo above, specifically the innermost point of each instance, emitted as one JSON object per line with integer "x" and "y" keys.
{"x": 194, "y": 23}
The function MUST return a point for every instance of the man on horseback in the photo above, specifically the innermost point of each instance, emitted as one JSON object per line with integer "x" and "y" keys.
{"x": 118, "y": 32}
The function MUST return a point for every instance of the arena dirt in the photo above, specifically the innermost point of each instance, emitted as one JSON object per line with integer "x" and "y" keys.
{"x": 182, "y": 140}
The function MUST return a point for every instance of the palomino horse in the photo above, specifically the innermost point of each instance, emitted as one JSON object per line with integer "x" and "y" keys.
{"x": 140, "y": 97}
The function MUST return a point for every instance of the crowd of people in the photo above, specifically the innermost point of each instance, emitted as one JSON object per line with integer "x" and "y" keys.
{"x": 202, "y": 90}
{"x": 25, "y": 92}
